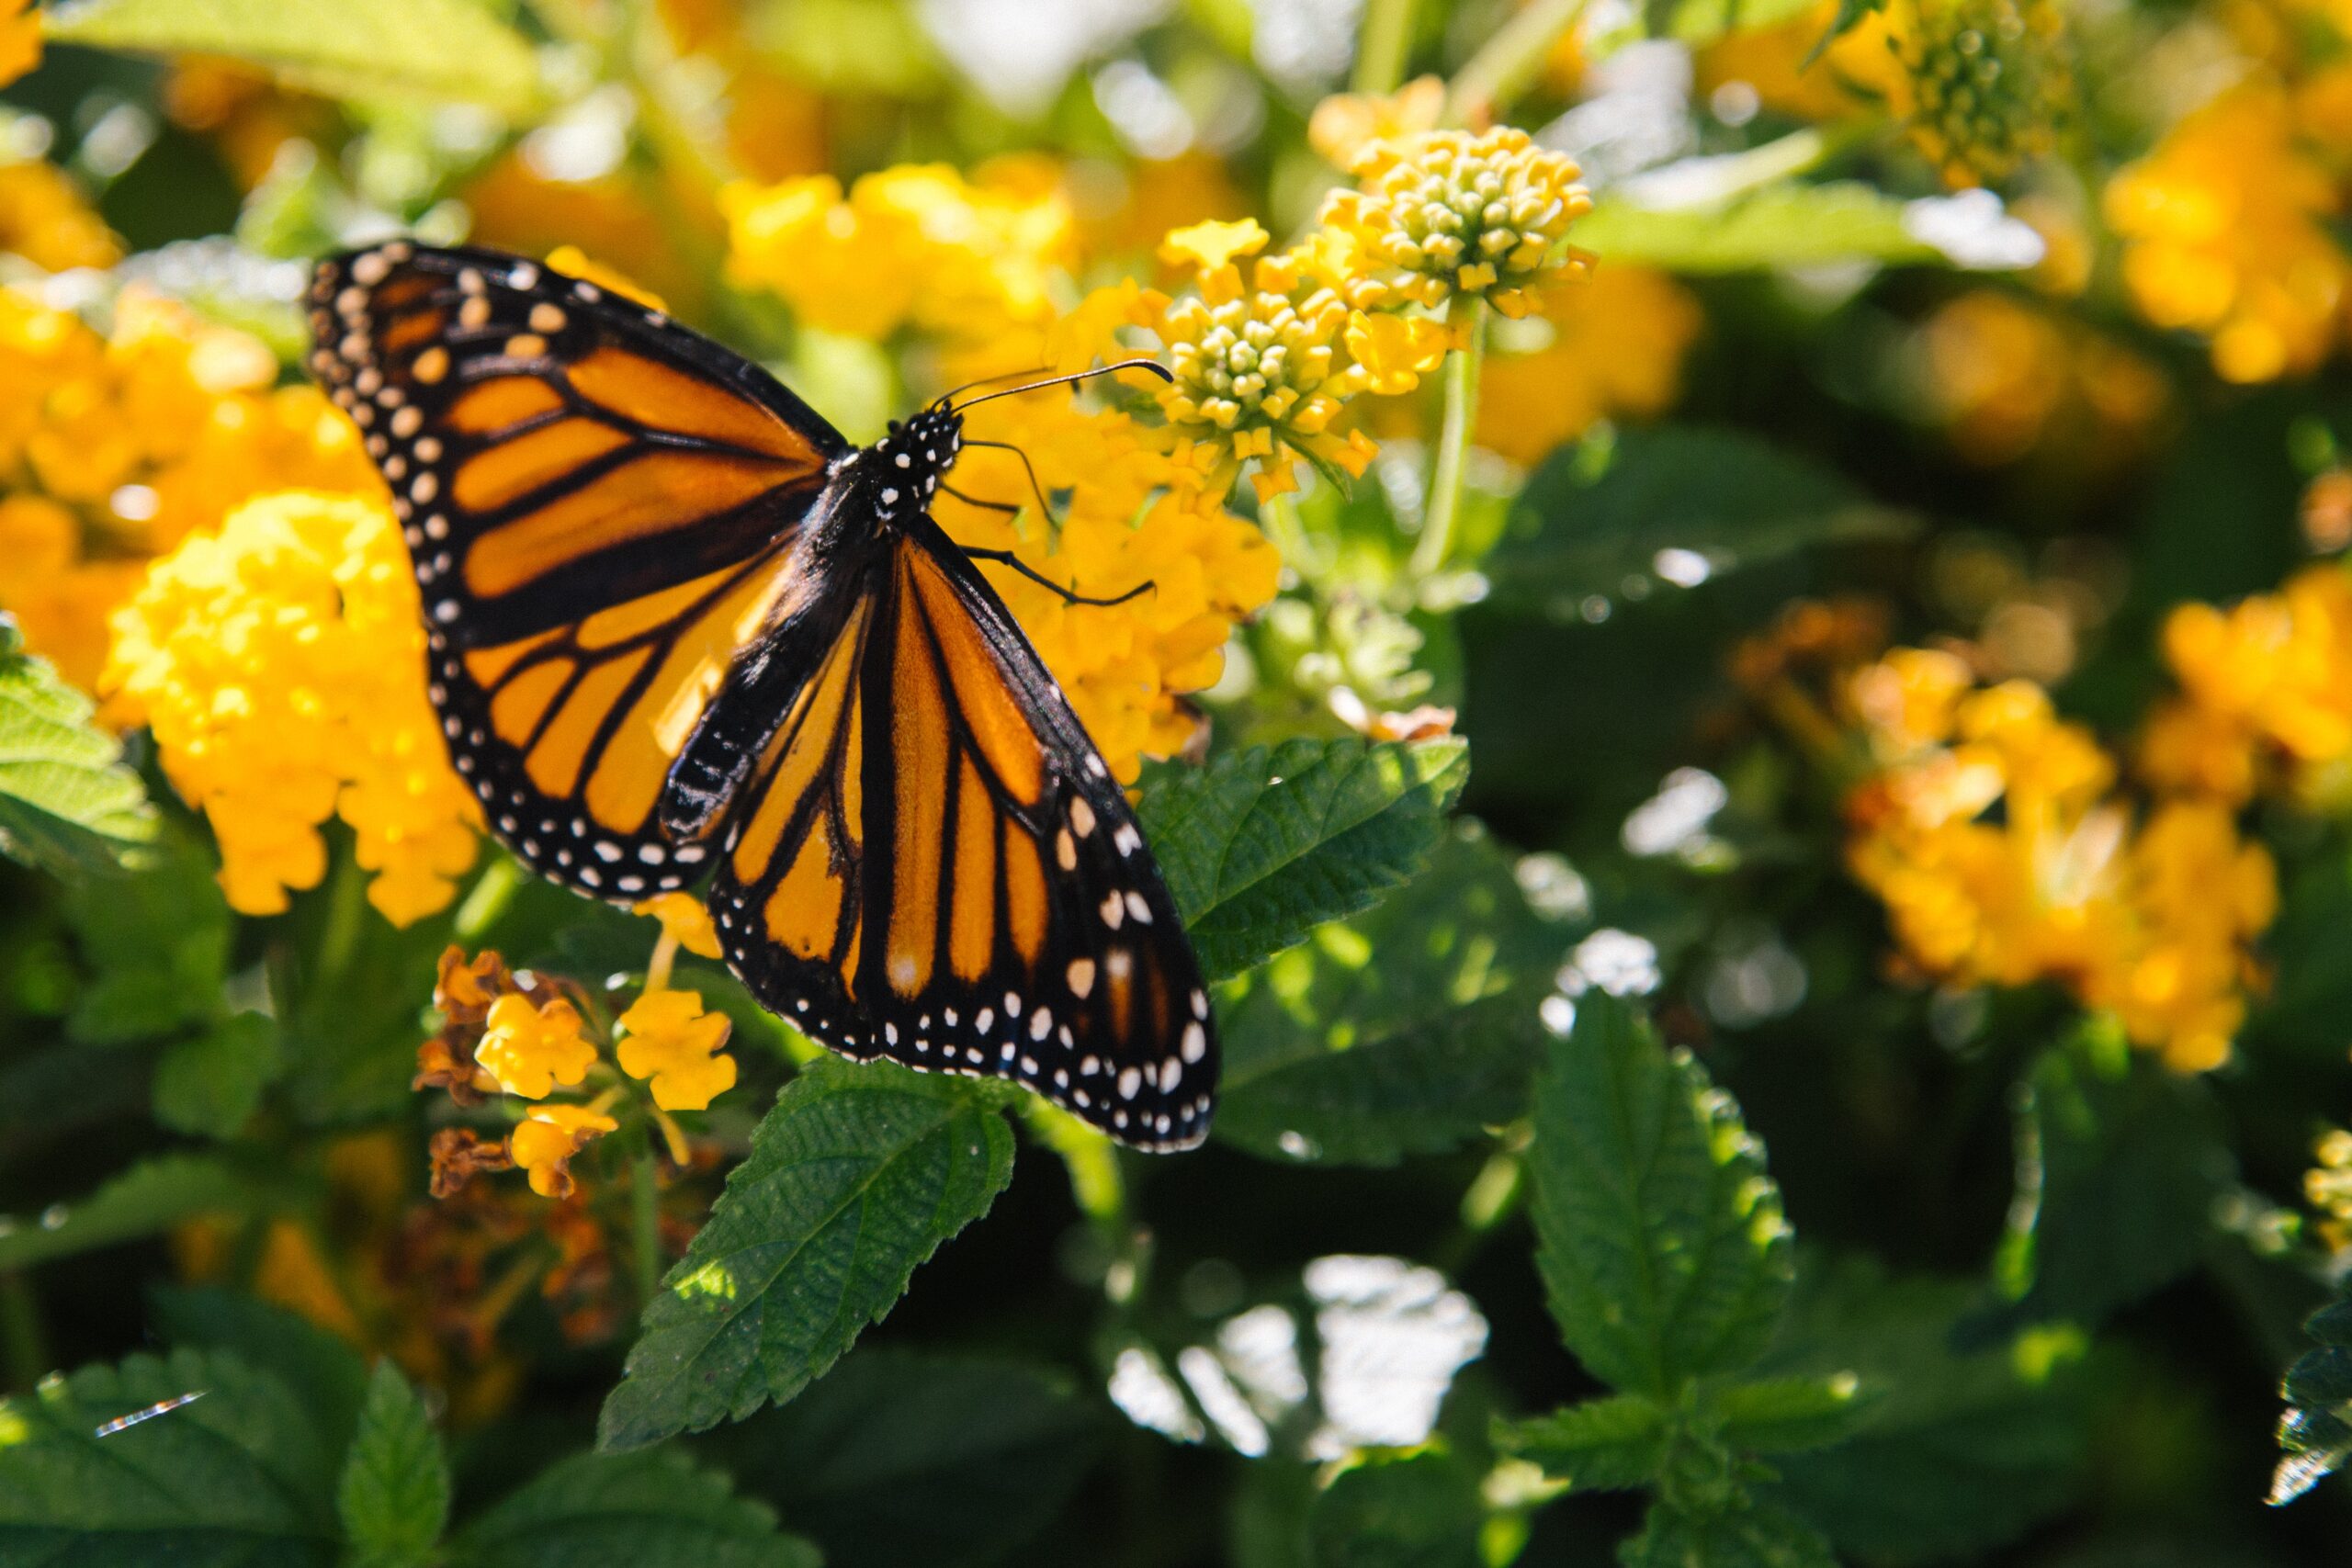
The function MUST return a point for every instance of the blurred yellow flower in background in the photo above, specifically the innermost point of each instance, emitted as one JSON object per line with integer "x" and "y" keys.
{"x": 1991, "y": 83}
{"x": 1345, "y": 126}
{"x": 44, "y": 219}
{"x": 1994, "y": 836}
{"x": 2266, "y": 696}
{"x": 280, "y": 667}
{"x": 1611, "y": 345}
{"x": 530, "y": 1049}
{"x": 2007, "y": 378}
{"x": 2226, "y": 232}
{"x": 20, "y": 40}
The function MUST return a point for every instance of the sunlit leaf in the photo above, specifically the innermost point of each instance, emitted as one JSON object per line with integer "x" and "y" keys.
{"x": 1596, "y": 1446}
{"x": 2315, "y": 1434}
{"x": 1789, "y": 224}
{"x": 67, "y": 803}
{"x": 856, "y": 1176}
{"x": 345, "y": 49}
{"x": 1262, "y": 846}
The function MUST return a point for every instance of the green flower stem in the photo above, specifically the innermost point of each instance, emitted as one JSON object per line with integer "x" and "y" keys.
{"x": 1384, "y": 47}
{"x": 24, "y": 1348}
{"x": 645, "y": 1219}
{"x": 1462, "y": 369}
{"x": 1493, "y": 78}
{"x": 1278, "y": 519}
{"x": 488, "y": 898}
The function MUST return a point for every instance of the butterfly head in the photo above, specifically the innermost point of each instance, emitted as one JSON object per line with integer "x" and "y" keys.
{"x": 911, "y": 460}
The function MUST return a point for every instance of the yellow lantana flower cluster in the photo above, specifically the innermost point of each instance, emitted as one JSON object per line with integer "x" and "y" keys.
{"x": 279, "y": 664}
{"x": 918, "y": 244}
{"x": 1443, "y": 213}
{"x": 1993, "y": 833}
{"x": 20, "y": 40}
{"x": 2226, "y": 233}
{"x": 2265, "y": 696}
{"x": 1991, "y": 81}
{"x": 113, "y": 448}
{"x": 44, "y": 220}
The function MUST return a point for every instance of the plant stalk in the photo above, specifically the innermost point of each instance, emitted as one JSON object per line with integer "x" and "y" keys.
{"x": 1492, "y": 79}
{"x": 1384, "y": 46}
{"x": 1462, "y": 369}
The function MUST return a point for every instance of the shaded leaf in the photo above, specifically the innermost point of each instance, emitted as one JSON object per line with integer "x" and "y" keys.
{"x": 325, "y": 1373}
{"x": 854, "y": 1177}
{"x": 1958, "y": 1453}
{"x": 157, "y": 944}
{"x": 394, "y": 1495}
{"x": 1790, "y": 1414}
{"x": 1404, "y": 1030}
{"x": 994, "y": 1451}
{"x": 2315, "y": 1433}
{"x": 1591, "y": 518}
{"x": 149, "y": 1197}
{"x": 211, "y": 1085}
{"x": 1598, "y": 1446}
{"x": 67, "y": 804}
{"x": 640, "y": 1510}
{"x": 1664, "y": 1254}
{"x": 1422, "y": 1511}
{"x": 1261, "y": 846}
{"x": 1749, "y": 1536}
{"x": 432, "y": 48}
{"x": 239, "y": 1476}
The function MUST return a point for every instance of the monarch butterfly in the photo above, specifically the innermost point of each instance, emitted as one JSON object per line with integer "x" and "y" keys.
{"x": 678, "y": 626}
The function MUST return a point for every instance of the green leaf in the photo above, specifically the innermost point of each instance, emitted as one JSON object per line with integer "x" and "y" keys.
{"x": 2120, "y": 1160}
{"x": 1958, "y": 1453}
{"x": 1718, "y": 496}
{"x": 1701, "y": 22}
{"x": 157, "y": 944}
{"x": 344, "y": 49}
{"x": 994, "y": 1451}
{"x": 856, "y": 1176}
{"x": 394, "y": 1495}
{"x": 1789, "y": 224}
{"x": 1262, "y": 846}
{"x": 1598, "y": 1446}
{"x": 1739, "y": 1536}
{"x": 1664, "y": 1254}
{"x": 239, "y": 1476}
{"x": 1420, "y": 1511}
{"x": 1790, "y": 1414}
{"x": 325, "y": 1373}
{"x": 642, "y": 1510}
{"x": 1405, "y": 1031}
{"x": 2315, "y": 1433}
{"x": 149, "y": 1197}
{"x": 211, "y": 1085}
{"x": 67, "y": 804}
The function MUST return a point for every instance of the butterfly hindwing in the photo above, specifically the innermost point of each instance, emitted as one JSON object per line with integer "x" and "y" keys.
{"x": 599, "y": 505}
{"x": 932, "y": 864}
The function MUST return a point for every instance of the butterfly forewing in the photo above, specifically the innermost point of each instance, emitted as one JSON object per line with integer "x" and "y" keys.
{"x": 598, "y": 504}
{"x": 932, "y": 864}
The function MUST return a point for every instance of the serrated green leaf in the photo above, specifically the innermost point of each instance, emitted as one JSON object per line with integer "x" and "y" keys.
{"x": 323, "y": 1372}
{"x": 1583, "y": 527}
{"x": 1420, "y": 1511}
{"x": 345, "y": 49}
{"x": 2124, "y": 1159}
{"x": 856, "y": 1176}
{"x": 1598, "y": 1446}
{"x": 393, "y": 1498}
{"x": 1664, "y": 1254}
{"x": 994, "y": 1449}
{"x": 1751, "y": 1536}
{"x": 211, "y": 1085}
{"x": 2315, "y": 1431}
{"x": 1791, "y": 224}
{"x": 67, "y": 804}
{"x": 1405, "y": 1031}
{"x": 1262, "y": 846}
{"x": 149, "y": 1197}
{"x": 642, "y": 1510}
{"x": 1791, "y": 1414}
{"x": 1961, "y": 1450}
{"x": 238, "y": 1477}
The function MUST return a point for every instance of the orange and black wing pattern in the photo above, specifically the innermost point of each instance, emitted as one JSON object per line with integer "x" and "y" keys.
{"x": 931, "y": 863}
{"x": 600, "y": 505}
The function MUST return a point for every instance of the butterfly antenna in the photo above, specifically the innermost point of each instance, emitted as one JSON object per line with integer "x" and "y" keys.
{"x": 1044, "y": 505}
{"x": 1004, "y": 507}
{"x": 946, "y": 398}
{"x": 1153, "y": 366}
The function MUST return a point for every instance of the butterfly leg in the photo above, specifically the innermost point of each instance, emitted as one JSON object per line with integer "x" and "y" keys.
{"x": 1006, "y": 558}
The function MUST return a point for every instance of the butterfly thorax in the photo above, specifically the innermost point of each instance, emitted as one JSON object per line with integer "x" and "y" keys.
{"x": 900, "y": 473}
